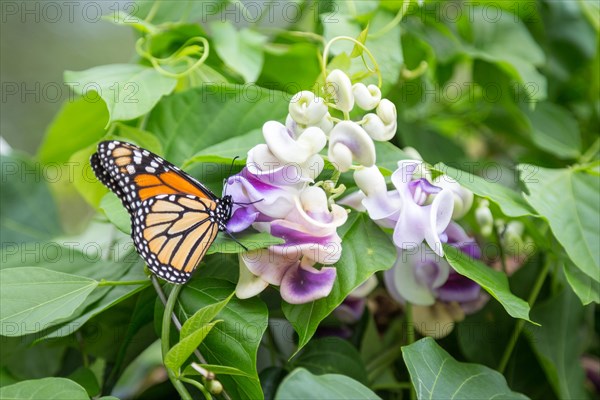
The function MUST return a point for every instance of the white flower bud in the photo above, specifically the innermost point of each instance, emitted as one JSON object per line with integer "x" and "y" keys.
{"x": 338, "y": 85}
{"x": 370, "y": 180}
{"x": 311, "y": 141}
{"x": 349, "y": 142}
{"x": 484, "y": 218}
{"x": 326, "y": 124}
{"x": 463, "y": 198}
{"x": 513, "y": 237}
{"x": 306, "y": 108}
{"x": 386, "y": 110}
{"x": 374, "y": 126}
{"x": 366, "y": 97}
{"x": 411, "y": 152}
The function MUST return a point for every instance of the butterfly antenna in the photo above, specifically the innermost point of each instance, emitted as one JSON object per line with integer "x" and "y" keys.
{"x": 229, "y": 175}
{"x": 248, "y": 203}
{"x": 237, "y": 241}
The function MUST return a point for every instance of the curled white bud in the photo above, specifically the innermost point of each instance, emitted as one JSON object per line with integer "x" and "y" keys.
{"x": 386, "y": 110}
{"x": 366, "y": 97}
{"x": 338, "y": 85}
{"x": 374, "y": 126}
{"x": 306, "y": 108}
{"x": 349, "y": 142}
{"x": 277, "y": 136}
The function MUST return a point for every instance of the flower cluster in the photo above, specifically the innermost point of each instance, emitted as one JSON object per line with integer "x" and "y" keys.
{"x": 420, "y": 211}
{"x": 273, "y": 193}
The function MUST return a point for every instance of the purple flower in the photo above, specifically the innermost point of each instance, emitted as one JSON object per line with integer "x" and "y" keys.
{"x": 417, "y": 210}
{"x": 353, "y": 306}
{"x": 266, "y": 188}
{"x": 422, "y": 277}
{"x": 309, "y": 231}
{"x": 421, "y": 217}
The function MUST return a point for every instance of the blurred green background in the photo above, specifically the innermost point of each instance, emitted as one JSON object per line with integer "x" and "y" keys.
{"x": 38, "y": 42}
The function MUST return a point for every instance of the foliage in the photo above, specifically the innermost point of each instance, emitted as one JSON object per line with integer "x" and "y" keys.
{"x": 502, "y": 97}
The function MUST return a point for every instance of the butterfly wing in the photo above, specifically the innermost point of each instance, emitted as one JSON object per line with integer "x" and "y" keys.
{"x": 141, "y": 174}
{"x": 174, "y": 217}
{"x": 173, "y": 232}
{"x": 108, "y": 181}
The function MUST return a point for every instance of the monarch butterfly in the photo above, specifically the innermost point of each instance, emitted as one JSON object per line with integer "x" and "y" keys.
{"x": 174, "y": 218}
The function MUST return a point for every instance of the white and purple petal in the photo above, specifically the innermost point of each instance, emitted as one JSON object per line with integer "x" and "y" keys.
{"x": 302, "y": 283}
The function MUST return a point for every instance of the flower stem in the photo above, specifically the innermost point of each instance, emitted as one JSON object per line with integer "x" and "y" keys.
{"x": 501, "y": 252}
{"x": 410, "y": 335}
{"x": 521, "y": 322}
{"x": 198, "y": 385}
{"x": 164, "y": 339}
{"x": 410, "y": 338}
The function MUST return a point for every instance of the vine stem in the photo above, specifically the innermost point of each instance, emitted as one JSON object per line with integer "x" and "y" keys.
{"x": 410, "y": 338}
{"x": 521, "y": 322}
{"x": 392, "y": 23}
{"x": 164, "y": 341}
{"x": 177, "y": 323}
{"x": 357, "y": 43}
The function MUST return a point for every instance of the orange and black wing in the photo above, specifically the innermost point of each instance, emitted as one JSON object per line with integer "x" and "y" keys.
{"x": 173, "y": 232}
{"x": 136, "y": 174}
{"x": 173, "y": 218}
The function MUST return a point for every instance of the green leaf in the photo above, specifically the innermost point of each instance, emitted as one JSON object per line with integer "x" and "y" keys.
{"x": 587, "y": 289}
{"x": 110, "y": 296}
{"x": 35, "y": 298}
{"x": 252, "y": 241}
{"x": 182, "y": 10}
{"x": 186, "y": 346}
{"x": 510, "y": 202}
{"x": 494, "y": 282}
{"x": 332, "y": 355}
{"x": 202, "y": 317}
{"x": 115, "y": 212}
{"x": 361, "y": 38}
{"x": 241, "y": 50}
{"x": 28, "y": 212}
{"x": 387, "y": 50}
{"x": 388, "y": 156}
{"x": 568, "y": 199}
{"x": 78, "y": 124}
{"x": 216, "y": 369}
{"x": 558, "y": 345}
{"x": 137, "y": 136}
{"x": 44, "y": 389}
{"x": 436, "y": 375}
{"x": 85, "y": 181}
{"x": 234, "y": 342}
{"x": 301, "y": 384}
{"x": 508, "y": 43}
{"x": 129, "y": 91}
{"x": 287, "y": 57}
{"x": 190, "y": 121}
{"x": 87, "y": 379}
{"x": 555, "y": 130}
{"x": 366, "y": 250}
{"x": 237, "y": 146}
{"x": 27, "y": 361}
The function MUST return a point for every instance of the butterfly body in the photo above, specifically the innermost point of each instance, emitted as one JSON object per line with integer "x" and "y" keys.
{"x": 174, "y": 217}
